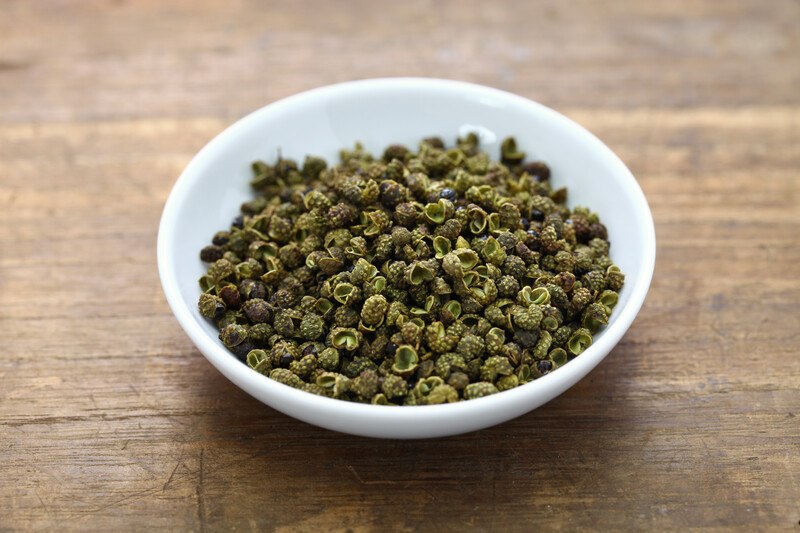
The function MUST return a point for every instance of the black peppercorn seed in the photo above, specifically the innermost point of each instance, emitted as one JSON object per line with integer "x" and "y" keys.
{"x": 448, "y": 194}
{"x": 285, "y": 360}
{"x": 241, "y": 350}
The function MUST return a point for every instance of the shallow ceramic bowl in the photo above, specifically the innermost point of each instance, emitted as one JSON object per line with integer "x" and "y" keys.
{"x": 379, "y": 112}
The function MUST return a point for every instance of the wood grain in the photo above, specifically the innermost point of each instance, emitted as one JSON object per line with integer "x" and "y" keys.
{"x": 111, "y": 420}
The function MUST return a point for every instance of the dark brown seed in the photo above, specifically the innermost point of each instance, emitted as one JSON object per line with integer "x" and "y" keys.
{"x": 425, "y": 369}
{"x": 230, "y": 295}
{"x": 250, "y": 289}
{"x": 285, "y": 360}
{"x": 284, "y": 299}
{"x": 598, "y": 230}
{"x": 395, "y": 151}
{"x": 241, "y": 350}
{"x": 565, "y": 280}
{"x": 211, "y": 253}
{"x": 221, "y": 238}
{"x": 559, "y": 196}
{"x": 435, "y": 142}
{"x": 583, "y": 230}
{"x": 392, "y": 193}
{"x": 537, "y": 169}
{"x": 526, "y": 339}
{"x": 219, "y": 310}
{"x": 258, "y": 311}
{"x": 533, "y": 240}
{"x": 513, "y": 352}
{"x": 406, "y": 215}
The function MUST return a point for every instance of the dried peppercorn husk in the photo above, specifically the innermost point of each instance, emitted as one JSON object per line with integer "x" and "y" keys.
{"x": 417, "y": 278}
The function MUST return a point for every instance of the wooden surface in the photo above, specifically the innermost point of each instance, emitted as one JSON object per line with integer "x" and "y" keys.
{"x": 111, "y": 420}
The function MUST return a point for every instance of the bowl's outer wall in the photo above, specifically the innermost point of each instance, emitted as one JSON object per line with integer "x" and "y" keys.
{"x": 377, "y": 113}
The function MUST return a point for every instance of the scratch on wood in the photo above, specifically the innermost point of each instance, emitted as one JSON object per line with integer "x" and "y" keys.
{"x": 45, "y": 507}
{"x": 35, "y": 384}
{"x": 431, "y": 495}
{"x": 717, "y": 331}
{"x": 172, "y": 475}
{"x": 494, "y": 501}
{"x": 125, "y": 500}
{"x": 201, "y": 499}
{"x": 376, "y": 482}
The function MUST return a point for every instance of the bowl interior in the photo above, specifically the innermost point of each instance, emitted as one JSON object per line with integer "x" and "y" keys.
{"x": 378, "y": 113}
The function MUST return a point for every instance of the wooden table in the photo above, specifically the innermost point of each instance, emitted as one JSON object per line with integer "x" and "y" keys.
{"x": 111, "y": 420}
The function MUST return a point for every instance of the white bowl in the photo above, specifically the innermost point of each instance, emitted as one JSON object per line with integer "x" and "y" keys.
{"x": 379, "y": 112}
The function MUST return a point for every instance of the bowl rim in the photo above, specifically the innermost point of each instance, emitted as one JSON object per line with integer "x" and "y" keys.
{"x": 282, "y": 396}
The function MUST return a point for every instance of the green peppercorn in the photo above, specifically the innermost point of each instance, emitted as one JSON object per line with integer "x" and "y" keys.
{"x": 507, "y": 382}
{"x": 211, "y": 306}
{"x": 442, "y": 393}
{"x": 495, "y": 339}
{"x": 447, "y": 363}
{"x": 405, "y": 360}
{"x": 329, "y": 359}
{"x": 233, "y": 335}
{"x": 527, "y": 318}
{"x": 437, "y": 338}
{"x": 374, "y": 310}
{"x": 394, "y": 386}
{"x": 312, "y": 326}
{"x": 470, "y": 346}
{"x": 458, "y": 380}
{"x": 542, "y": 345}
{"x": 304, "y": 366}
{"x": 282, "y": 375}
{"x": 366, "y": 384}
{"x": 259, "y": 361}
{"x": 581, "y": 297}
{"x": 337, "y": 384}
{"x": 594, "y": 316}
{"x": 479, "y": 390}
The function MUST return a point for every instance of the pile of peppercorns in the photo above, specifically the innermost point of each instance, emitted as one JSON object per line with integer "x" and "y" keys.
{"x": 418, "y": 278}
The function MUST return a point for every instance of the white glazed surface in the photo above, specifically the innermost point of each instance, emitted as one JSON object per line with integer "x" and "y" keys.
{"x": 379, "y": 112}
